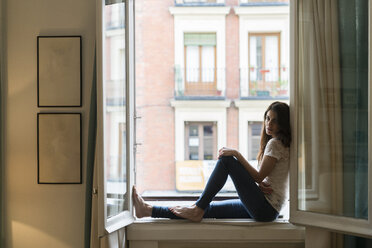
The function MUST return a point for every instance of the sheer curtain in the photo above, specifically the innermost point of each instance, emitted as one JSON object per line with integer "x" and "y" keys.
{"x": 208, "y": 61}
{"x": 253, "y": 58}
{"x": 192, "y": 64}
{"x": 319, "y": 97}
{"x": 272, "y": 58}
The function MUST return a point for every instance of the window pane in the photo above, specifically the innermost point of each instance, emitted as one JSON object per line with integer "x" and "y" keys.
{"x": 255, "y": 58}
{"x": 208, "y": 61}
{"x": 194, "y": 142}
{"x": 208, "y": 142}
{"x": 114, "y": 116}
{"x": 254, "y": 137}
{"x": 192, "y": 64}
{"x": 333, "y": 108}
{"x": 271, "y": 58}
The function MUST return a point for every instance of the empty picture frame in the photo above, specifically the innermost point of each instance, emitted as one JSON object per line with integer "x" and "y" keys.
{"x": 59, "y": 148}
{"x": 59, "y": 76}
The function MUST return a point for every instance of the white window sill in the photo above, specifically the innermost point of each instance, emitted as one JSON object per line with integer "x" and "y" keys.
{"x": 224, "y": 230}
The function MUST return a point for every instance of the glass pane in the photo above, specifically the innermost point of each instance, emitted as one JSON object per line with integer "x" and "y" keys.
{"x": 192, "y": 64}
{"x": 194, "y": 142}
{"x": 208, "y": 62}
{"x": 208, "y": 142}
{"x": 271, "y": 58}
{"x": 333, "y": 108}
{"x": 254, "y": 137}
{"x": 114, "y": 116}
{"x": 255, "y": 59}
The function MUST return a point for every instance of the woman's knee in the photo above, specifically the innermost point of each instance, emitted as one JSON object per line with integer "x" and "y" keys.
{"x": 227, "y": 160}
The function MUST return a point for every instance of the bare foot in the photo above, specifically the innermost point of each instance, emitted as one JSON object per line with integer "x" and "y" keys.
{"x": 142, "y": 208}
{"x": 193, "y": 213}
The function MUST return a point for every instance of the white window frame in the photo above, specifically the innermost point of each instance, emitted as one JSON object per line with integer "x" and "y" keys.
{"x": 353, "y": 226}
{"x": 106, "y": 226}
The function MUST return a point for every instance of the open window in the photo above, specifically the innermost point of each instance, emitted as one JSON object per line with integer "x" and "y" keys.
{"x": 331, "y": 115}
{"x": 115, "y": 107}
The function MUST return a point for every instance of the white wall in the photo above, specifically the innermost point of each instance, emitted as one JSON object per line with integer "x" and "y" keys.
{"x": 40, "y": 215}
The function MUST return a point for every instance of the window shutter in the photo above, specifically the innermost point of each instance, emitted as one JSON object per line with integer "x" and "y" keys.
{"x": 198, "y": 39}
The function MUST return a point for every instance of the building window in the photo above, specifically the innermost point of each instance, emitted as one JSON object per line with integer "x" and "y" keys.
{"x": 200, "y": 63}
{"x": 254, "y": 137}
{"x": 264, "y": 70}
{"x": 201, "y": 141}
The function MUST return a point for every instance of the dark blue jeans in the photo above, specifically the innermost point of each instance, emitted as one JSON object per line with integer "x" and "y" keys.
{"x": 252, "y": 202}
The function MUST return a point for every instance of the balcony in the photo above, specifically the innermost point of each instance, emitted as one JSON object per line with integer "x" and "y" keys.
{"x": 264, "y": 83}
{"x": 197, "y": 83}
{"x": 199, "y": 2}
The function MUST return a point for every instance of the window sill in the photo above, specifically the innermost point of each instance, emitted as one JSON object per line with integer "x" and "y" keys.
{"x": 226, "y": 230}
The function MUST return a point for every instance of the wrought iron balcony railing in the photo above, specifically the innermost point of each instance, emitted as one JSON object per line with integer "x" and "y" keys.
{"x": 199, "y": 82}
{"x": 265, "y": 82}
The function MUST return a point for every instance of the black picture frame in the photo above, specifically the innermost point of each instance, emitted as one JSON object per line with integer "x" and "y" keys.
{"x": 59, "y": 148}
{"x": 59, "y": 71}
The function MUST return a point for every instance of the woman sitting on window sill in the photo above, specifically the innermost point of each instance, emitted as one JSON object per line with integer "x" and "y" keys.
{"x": 262, "y": 193}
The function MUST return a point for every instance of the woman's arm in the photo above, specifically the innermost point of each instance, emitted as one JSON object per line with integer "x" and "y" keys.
{"x": 267, "y": 164}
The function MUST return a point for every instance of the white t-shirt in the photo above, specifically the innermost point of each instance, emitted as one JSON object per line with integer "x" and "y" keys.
{"x": 278, "y": 177}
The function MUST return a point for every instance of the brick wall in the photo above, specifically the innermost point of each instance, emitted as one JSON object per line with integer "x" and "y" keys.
{"x": 154, "y": 90}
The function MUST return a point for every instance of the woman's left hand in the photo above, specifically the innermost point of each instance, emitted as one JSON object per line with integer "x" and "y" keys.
{"x": 225, "y": 151}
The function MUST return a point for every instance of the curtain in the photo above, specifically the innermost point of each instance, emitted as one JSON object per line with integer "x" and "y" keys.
{"x": 89, "y": 214}
{"x": 207, "y": 66}
{"x": 319, "y": 101}
{"x": 253, "y": 58}
{"x": 192, "y": 63}
{"x": 272, "y": 58}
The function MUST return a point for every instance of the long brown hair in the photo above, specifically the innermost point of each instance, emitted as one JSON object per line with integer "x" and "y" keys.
{"x": 284, "y": 134}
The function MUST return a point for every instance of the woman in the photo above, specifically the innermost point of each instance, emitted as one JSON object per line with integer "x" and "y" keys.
{"x": 261, "y": 193}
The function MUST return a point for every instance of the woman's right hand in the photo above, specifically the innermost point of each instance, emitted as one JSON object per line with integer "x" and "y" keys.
{"x": 225, "y": 151}
{"x": 265, "y": 188}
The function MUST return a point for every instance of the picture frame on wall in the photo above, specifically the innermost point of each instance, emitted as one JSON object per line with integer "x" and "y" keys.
{"x": 59, "y": 71}
{"x": 59, "y": 148}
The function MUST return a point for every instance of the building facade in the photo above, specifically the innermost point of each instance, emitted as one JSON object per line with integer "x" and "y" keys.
{"x": 206, "y": 71}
